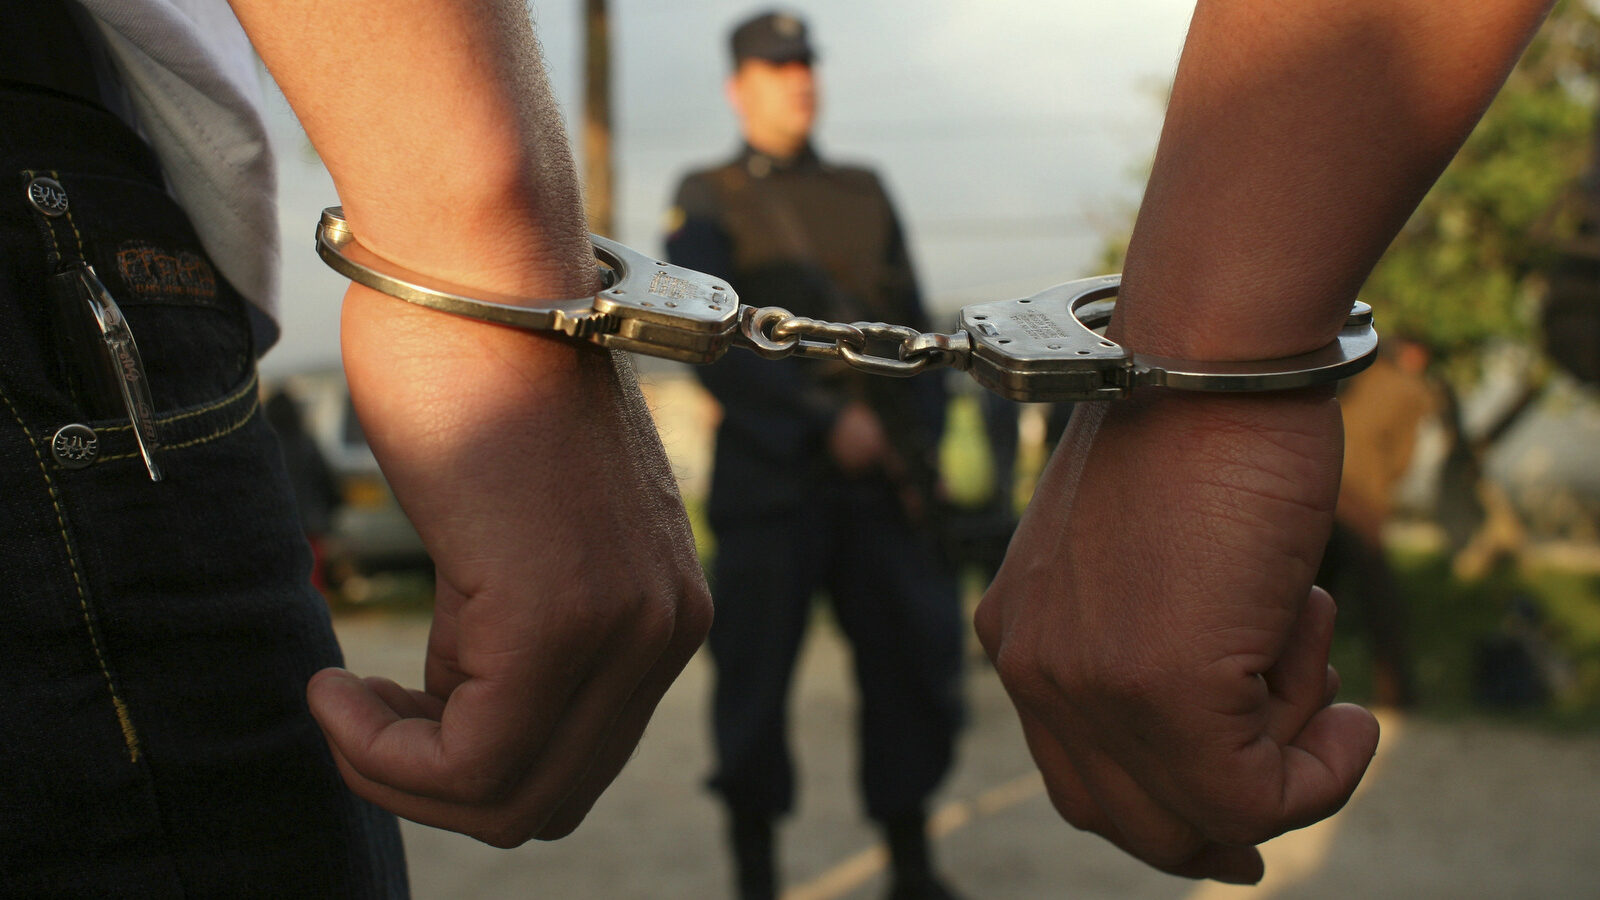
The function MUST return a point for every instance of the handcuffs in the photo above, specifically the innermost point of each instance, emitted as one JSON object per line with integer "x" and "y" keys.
{"x": 1039, "y": 348}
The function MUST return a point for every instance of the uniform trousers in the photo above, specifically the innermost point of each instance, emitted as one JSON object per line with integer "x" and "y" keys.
{"x": 156, "y": 636}
{"x": 896, "y": 604}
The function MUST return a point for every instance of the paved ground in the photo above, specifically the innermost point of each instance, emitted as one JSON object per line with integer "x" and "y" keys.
{"x": 1450, "y": 810}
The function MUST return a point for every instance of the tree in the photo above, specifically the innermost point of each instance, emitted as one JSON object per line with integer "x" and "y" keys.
{"x": 598, "y": 166}
{"x": 1467, "y": 270}
{"x": 1472, "y": 266}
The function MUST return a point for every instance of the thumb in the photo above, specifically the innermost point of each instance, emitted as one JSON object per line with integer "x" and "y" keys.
{"x": 1326, "y": 761}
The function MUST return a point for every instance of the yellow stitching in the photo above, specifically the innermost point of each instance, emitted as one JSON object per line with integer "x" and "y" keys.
{"x": 130, "y": 736}
{"x": 70, "y": 221}
{"x": 221, "y": 432}
{"x": 232, "y": 397}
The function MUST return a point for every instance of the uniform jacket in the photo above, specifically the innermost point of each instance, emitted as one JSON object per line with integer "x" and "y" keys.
{"x": 819, "y": 240}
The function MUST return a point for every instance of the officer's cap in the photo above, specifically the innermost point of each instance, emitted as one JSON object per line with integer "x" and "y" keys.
{"x": 777, "y": 37}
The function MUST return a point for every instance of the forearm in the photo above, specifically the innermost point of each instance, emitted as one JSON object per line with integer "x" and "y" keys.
{"x": 1299, "y": 138}
{"x": 437, "y": 124}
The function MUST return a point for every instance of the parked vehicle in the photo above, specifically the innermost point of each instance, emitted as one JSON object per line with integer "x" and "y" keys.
{"x": 366, "y": 531}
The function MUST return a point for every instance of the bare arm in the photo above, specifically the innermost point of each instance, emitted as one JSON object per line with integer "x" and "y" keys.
{"x": 1155, "y": 620}
{"x": 569, "y": 595}
{"x": 1299, "y": 138}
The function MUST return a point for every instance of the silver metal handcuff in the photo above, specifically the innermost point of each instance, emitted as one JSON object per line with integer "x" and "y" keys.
{"x": 1039, "y": 348}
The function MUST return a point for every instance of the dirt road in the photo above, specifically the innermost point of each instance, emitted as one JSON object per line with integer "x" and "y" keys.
{"x": 1450, "y": 810}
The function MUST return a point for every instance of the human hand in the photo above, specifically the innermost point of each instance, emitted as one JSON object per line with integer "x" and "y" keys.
{"x": 1156, "y": 626}
{"x": 857, "y": 443}
{"x": 568, "y": 595}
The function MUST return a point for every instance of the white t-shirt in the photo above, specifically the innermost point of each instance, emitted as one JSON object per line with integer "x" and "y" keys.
{"x": 194, "y": 90}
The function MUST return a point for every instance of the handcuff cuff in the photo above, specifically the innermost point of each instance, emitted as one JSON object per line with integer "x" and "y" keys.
{"x": 1039, "y": 348}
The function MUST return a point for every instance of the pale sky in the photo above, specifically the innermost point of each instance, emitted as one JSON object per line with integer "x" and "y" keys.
{"x": 1012, "y": 133}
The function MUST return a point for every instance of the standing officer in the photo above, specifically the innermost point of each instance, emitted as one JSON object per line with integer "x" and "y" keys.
{"x": 823, "y": 478}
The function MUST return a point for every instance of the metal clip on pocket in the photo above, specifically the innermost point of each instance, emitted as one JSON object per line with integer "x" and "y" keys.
{"x": 1039, "y": 348}
{"x": 123, "y": 354}
{"x": 115, "y": 356}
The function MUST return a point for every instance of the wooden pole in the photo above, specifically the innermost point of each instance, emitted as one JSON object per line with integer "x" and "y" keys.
{"x": 597, "y": 161}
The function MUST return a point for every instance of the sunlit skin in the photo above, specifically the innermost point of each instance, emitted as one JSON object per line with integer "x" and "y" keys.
{"x": 546, "y": 657}
{"x": 776, "y": 104}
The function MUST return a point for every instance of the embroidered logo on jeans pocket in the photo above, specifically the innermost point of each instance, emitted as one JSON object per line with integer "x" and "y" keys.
{"x": 150, "y": 271}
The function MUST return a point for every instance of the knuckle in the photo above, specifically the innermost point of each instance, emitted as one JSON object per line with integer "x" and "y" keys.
{"x": 504, "y": 835}
{"x": 695, "y": 614}
{"x": 560, "y": 827}
{"x": 1022, "y": 672}
{"x": 1125, "y": 682}
{"x": 986, "y": 624}
{"x": 1040, "y": 671}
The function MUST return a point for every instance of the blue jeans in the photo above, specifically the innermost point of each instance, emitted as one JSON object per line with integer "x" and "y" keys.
{"x": 155, "y": 637}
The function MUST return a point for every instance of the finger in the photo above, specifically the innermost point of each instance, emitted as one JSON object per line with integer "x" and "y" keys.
{"x": 1189, "y": 856}
{"x": 501, "y": 815}
{"x": 404, "y": 773}
{"x": 1227, "y": 863}
{"x": 492, "y": 725}
{"x": 408, "y": 704}
{"x": 443, "y": 673}
{"x": 1102, "y": 797}
{"x": 1298, "y": 682}
{"x": 356, "y": 713}
{"x": 1138, "y": 822}
{"x": 1325, "y": 763}
{"x": 1063, "y": 784}
{"x": 629, "y": 729}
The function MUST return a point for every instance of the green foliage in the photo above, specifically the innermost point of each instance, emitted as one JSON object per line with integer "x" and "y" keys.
{"x": 1449, "y": 619}
{"x": 1465, "y": 269}
{"x": 964, "y": 457}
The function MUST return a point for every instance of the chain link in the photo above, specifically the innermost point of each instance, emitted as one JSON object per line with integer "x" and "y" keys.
{"x": 773, "y": 332}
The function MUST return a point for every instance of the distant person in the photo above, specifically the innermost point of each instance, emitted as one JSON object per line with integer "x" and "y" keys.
{"x": 1382, "y": 409}
{"x": 822, "y": 477}
{"x": 316, "y": 491}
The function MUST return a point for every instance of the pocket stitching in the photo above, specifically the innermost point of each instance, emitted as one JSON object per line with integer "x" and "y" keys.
{"x": 130, "y": 735}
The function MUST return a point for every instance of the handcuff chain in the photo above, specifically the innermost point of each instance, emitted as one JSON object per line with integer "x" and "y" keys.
{"x": 773, "y": 333}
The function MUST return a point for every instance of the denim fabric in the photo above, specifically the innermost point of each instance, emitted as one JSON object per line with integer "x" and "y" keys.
{"x": 155, "y": 637}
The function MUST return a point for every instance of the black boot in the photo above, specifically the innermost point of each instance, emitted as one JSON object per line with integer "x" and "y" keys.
{"x": 912, "y": 866}
{"x": 755, "y": 866}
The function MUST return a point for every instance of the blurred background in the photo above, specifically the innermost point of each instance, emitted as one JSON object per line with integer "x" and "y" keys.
{"x": 1014, "y": 136}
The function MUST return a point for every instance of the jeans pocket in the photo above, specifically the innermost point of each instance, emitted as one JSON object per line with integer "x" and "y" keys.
{"x": 190, "y": 325}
